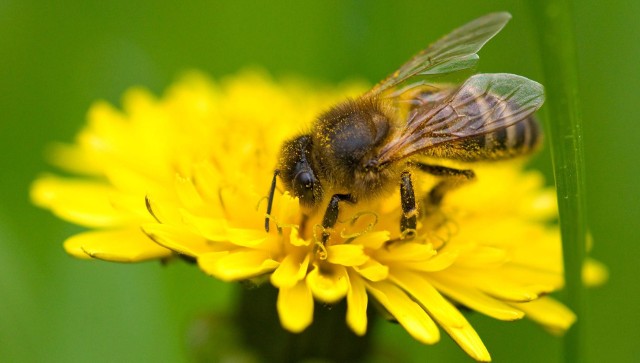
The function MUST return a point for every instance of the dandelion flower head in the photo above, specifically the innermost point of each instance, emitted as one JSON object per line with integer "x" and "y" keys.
{"x": 188, "y": 174}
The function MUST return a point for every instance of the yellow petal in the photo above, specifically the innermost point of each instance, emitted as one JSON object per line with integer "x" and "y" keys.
{"x": 163, "y": 210}
{"x": 135, "y": 204}
{"x": 373, "y": 240}
{"x": 483, "y": 257}
{"x": 408, "y": 252}
{"x": 287, "y": 208}
{"x": 328, "y": 284}
{"x": 373, "y": 270}
{"x": 213, "y": 229}
{"x": 499, "y": 286}
{"x": 444, "y": 312}
{"x": 467, "y": 338}
{"x": 543, "y": 205}
{"x": 510, "y": 291}
{"x": 291, "y": 270}
{"x": 81, "y": 202}
{"x": 133, "y": 180}
{"x": 556, "y": 317}
{"x": 295, "y": 307}
{"x": 357, "y": 304}
{"x": 426, "y": 295}
{"x": 409, "y": 314}
{"x": 441, "y": 261}
{"x": 594, "y": 273}
{"x": 187, "y": 193}
{"x": 550, "y": 280}
{"x": 237, "y": 265}
{"x": 217, "y": 229}
{"x": 125, "y": 245}
{"x": 294, "y": 238}
{"x": 246, "y": 237}
{"x": 73, "y": 246}
{"x": 208, "y": 180}
{"x": 476, "y": 300}
{"x": 179, "y": 239}
{"x": 72, "y": 158}
{"x": 347, "y": 255}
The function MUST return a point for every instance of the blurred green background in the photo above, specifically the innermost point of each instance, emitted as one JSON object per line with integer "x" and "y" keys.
{"x": 56, "y": 59}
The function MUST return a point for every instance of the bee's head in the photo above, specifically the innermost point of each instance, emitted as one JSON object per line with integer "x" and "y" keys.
{"x": 297, "y": 172}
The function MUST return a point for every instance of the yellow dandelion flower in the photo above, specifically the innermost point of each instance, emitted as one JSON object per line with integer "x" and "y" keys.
{"x": 189, "y": 174}
{"x": 123, "y": 157}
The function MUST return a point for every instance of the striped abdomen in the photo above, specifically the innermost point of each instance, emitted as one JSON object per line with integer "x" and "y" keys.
{"x": 519, "y": 139}
{"x": 515, "y": 140}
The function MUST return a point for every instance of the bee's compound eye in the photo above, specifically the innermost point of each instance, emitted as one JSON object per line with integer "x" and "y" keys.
{"x": 303, "y": 184}
{"x": 304, "y": 179}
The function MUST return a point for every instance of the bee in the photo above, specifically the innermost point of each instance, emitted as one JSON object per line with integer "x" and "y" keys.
{"x": 362, "y": 148}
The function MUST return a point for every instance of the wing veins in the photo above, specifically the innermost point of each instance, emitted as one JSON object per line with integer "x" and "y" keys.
{"x": 457, "y": 50}
{"x": 483, "y": 104}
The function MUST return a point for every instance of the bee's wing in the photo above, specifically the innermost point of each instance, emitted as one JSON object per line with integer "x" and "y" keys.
{"x": 484, "y": 103}
{"x": 454, "y": 52}
{"x": 423, "y": 95}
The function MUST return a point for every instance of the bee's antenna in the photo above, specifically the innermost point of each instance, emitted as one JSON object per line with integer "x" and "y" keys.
{"x": 272, "y": 190}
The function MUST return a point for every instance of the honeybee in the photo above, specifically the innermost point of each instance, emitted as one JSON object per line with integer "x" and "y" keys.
{"x": 361, "y": 148}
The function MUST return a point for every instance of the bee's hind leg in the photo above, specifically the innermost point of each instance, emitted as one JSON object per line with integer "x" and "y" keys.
{"x": 451, "y": 179}
{"x": 409, "y": 219}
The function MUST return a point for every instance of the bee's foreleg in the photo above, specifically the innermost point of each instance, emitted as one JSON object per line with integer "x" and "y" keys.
{"x": 451, "y": 179}
{"x": 331, "y": 214}
{"x": 272, "y": 190}
{"x": 408, "y": 221}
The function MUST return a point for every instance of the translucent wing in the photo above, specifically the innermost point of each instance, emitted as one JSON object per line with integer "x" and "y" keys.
{"x": 454, "y": 52}
{"x": 483, "y": 104}
{"x": 423, "y": 95}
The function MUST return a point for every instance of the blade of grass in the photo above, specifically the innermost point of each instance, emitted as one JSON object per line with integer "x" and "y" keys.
{"x": 556, "y": 38}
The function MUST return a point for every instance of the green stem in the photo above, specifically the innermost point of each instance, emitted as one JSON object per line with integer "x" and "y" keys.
{"x": 555, "y": 30}
{"x": 328, "y": 339}
{"x": 253, "y": 334}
